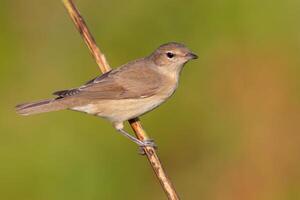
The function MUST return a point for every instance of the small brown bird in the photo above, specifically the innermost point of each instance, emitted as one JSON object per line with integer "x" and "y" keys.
{"x": 125, "y": 92}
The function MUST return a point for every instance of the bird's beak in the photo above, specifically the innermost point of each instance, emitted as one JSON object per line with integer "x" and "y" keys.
{"x": 191, "y": 56}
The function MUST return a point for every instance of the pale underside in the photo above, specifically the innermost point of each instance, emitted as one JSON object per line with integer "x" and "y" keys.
{"x": 121, "y": 110}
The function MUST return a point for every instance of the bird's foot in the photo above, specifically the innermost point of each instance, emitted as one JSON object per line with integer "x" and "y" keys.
{"x": 146, "y": 143}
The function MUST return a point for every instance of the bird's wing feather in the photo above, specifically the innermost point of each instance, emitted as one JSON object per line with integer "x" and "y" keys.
{"x": 127, "y": 82}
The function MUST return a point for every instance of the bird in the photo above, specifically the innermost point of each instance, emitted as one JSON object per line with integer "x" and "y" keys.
{"x": 123, "y": 93}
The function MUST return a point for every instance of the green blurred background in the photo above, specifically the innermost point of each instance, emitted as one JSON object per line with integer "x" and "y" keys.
{"x": 231, "y": 131}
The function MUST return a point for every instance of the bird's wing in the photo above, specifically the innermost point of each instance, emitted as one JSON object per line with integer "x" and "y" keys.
{"x": 128, "y": 82}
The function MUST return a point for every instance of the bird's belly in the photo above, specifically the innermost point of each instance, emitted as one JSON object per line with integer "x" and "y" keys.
{"x": 122, "y": 109}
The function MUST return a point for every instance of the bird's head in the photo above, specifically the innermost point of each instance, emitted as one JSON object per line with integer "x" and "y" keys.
{"x": 172, "y": 54}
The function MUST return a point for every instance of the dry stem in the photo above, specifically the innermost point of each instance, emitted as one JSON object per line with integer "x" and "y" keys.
{"x": 135, "y": 123}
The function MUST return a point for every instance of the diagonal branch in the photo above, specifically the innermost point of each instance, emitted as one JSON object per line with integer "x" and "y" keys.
{"x": 87, "y": 36}
{"x": 135, "y": 123}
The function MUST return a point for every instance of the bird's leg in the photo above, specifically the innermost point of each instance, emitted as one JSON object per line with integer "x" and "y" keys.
{"x": 119, "y": 126}
{"x": 137, "y": 141}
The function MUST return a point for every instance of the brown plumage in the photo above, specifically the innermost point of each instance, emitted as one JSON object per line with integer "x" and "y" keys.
{"x": 123, "y": 93}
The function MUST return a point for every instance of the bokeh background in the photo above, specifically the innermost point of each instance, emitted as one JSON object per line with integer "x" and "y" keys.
{"x": 231, "y": 131}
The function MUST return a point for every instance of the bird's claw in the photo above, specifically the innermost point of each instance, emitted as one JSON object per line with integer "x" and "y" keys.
{"x": 146, "y": 143}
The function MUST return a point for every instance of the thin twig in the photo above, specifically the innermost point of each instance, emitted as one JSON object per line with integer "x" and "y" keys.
{"x": 135, "y": 123}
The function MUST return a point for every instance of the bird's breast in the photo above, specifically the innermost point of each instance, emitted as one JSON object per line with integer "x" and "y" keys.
{"x": 125, "y": 109}
{"x": 119, "y": 110}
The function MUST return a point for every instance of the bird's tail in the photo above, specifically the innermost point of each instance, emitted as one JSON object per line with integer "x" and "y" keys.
{"x": 42, "y": 106}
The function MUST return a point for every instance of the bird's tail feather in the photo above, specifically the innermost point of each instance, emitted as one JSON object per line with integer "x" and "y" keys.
{"x": 42, "y": 106}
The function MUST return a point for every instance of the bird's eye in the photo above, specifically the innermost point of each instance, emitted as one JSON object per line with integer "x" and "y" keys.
{"x": 170, "y": 54}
